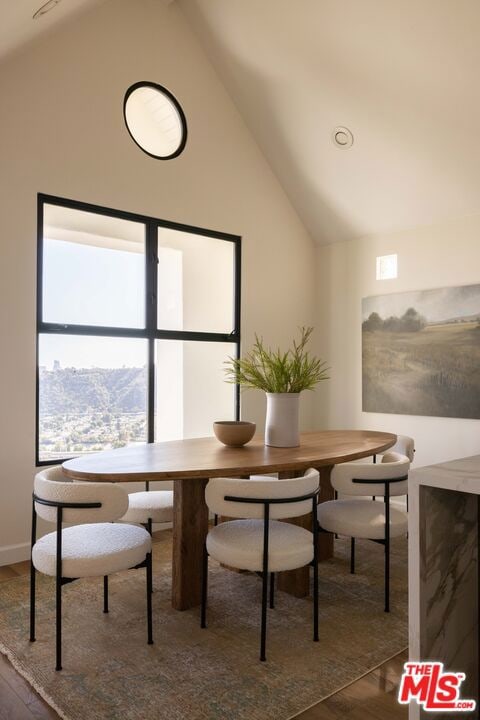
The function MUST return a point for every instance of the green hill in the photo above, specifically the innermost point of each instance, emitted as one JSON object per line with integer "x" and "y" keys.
{"x": 72, "y": 390}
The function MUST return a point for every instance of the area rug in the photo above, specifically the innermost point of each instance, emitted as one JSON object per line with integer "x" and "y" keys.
{"x": 214, "y": 674}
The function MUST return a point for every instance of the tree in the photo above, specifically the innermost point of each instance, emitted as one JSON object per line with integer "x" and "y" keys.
{"x": 412, "y": 321}
{"x": 393, "y": 324}
{"x": 373, "y": 323}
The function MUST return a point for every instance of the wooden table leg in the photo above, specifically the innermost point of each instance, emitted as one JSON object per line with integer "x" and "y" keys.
{"x": 295, "y": 582}
{"x": 325, "y": 540}
{"x": 190, "y": 527}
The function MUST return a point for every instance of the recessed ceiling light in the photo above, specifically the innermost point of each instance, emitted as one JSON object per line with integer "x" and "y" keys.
{"x": 342, "y": 137}
{"x": 45, "y": 8}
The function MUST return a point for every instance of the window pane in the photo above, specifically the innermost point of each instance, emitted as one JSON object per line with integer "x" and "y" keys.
{"x": 195, "y": 282}
{"x": 191, "y": 392}
{"x": 93, "y": 269}
{"x": 92, "y": 394}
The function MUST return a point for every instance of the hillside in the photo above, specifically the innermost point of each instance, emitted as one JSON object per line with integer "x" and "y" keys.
{"x": 72, "y": 390}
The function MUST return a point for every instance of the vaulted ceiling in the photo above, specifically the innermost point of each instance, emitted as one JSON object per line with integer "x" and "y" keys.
{"x": 17, "y": 25}
{"x": 402, "y": 75}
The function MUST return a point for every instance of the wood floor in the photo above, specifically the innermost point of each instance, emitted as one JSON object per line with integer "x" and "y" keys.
{"x": 373, "y": 697}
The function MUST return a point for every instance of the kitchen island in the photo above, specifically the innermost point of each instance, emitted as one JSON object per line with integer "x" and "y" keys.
{"x": 444, "y": 503}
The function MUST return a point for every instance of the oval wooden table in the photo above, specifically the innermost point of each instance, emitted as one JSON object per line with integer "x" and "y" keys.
{"x": 190, "y": 463}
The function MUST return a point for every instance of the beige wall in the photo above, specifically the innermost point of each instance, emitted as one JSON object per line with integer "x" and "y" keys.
{"x": 62, "y": 133}
{"x": 428, "y": 257}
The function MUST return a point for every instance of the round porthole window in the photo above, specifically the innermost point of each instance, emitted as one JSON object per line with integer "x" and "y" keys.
{"x": 155, "y": 120}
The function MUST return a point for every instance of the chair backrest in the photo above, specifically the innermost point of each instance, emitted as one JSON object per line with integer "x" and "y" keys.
{"x": 393, "y": 465}
{"x": 53, "y": 485}
{"x": 261, "y": 487}
{"x": 405, "y": 445}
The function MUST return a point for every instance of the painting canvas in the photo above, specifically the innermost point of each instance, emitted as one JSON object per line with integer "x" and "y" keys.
{"x": 421, "y": 352}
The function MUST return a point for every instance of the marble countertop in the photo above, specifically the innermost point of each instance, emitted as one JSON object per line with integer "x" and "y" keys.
{"x": 461, "y": 475}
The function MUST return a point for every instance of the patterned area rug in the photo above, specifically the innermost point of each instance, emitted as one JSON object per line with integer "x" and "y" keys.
{"x": 110, "y": 672}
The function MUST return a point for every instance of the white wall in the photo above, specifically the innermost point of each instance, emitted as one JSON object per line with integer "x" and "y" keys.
{"x": 428, "y": 257}
{"x": 62, "y": 133}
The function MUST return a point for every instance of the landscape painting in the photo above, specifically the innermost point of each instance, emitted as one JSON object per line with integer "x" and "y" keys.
{"x": 421, "y": 352}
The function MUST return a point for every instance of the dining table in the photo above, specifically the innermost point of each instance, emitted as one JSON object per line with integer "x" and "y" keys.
{"x": 191, "y": 463}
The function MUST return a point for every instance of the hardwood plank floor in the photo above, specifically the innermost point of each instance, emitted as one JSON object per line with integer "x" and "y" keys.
{"x": 373, "y": 697}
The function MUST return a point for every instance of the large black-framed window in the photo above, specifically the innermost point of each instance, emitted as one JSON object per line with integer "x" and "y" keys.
{"x": 115, "y": 286}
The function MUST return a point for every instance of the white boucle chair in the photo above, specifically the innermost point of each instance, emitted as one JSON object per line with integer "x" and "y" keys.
{"x": 363, "y": 518}
{"x": 252, "y": 477}
{"x": 258, "y": 541}
{"x": 149, "y": 506}
{"x": 98, "y": 548}
{"x": 405, "y": 445}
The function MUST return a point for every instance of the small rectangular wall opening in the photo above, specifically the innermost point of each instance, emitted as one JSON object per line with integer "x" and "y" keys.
{"x": 387, "y": 267}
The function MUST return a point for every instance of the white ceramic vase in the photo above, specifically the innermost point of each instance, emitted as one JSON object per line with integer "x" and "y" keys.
{"x": 281, "y": 427}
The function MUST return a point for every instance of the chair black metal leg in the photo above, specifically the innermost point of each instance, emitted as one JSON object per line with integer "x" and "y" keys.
{"x": 352, "y": 555}
{"x": 149, "y": 597}
{"x": 215, "y": 519}
{"x": 387, "y": 577}
{"x": 58, "y": 588}
{"x": 32, "y": 574}
{"x": 335, "y": 497}
{"x": 272, "y": 590}
{"x": 150, "y": 532}
{"x": 32, "y": 602}
{"x": 315, "y": 573}
{"x": 58, "y": 665}
{"x": 263, "y": 639}
{"x": 387, "y": 548}
{"x": 263, "y": 634}
{"x": 203, "y": 612}
{"x": 105, "y": 593}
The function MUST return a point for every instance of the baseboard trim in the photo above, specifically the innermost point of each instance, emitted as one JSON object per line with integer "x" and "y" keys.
{"x": 10, "y": 554}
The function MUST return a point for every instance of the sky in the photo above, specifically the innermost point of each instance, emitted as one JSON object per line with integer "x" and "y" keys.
{"x": 86, "y": 284}
{"x": 434, "y": 305}
{"x": 93, "y": 285}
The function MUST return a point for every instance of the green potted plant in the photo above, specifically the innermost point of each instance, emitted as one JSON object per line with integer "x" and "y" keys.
{"x": 283, "y": 375}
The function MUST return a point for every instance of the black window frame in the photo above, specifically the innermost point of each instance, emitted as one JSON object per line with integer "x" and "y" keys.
{"x": 150, "y": 332}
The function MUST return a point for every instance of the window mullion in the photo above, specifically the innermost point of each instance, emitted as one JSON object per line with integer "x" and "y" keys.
{"x": 151, "y": 256}
{"x": 151, "y": 277}
{"x": 237, "y": 289}
{"x": 91, "y": 330}
{"x": 39, "y": 263}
